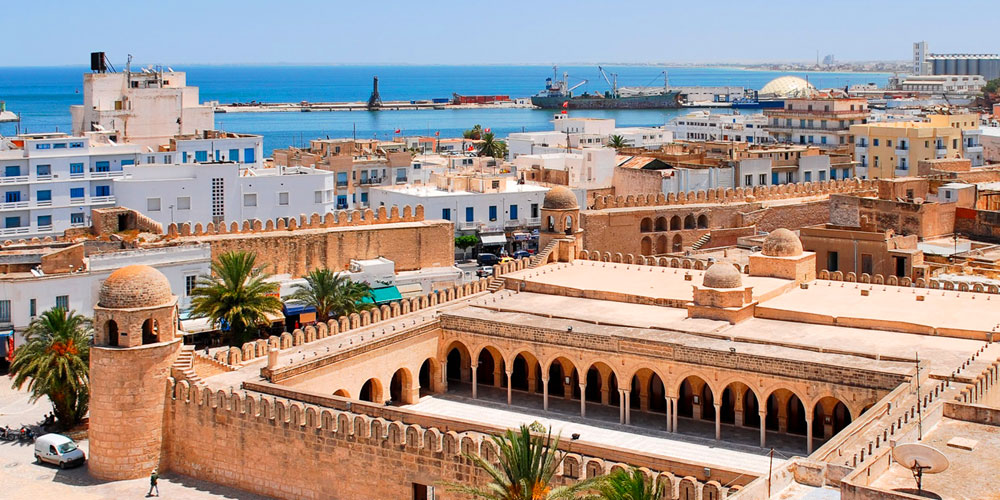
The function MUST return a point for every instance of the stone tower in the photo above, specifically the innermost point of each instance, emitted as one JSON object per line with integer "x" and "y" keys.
{"x": 561, "y": 221}
{"x": 135, "y": 343}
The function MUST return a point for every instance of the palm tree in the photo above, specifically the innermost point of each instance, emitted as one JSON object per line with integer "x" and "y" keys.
{"x": 526, "y": 464}
{"x": 236, "y": 296}
{"x": 55, "y": 362}
{"x": 332, "y": 294}
{"x": 475, "y": 133}
{"x": 617, "y": 142}
{"x": 492, "y": 147}
{"x": 629, "y": 485}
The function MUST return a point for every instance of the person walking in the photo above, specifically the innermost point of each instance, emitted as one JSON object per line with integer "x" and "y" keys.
{"x": 153, "y": 477}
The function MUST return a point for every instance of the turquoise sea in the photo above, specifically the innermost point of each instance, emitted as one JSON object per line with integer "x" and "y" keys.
{"x": 42, "y": 96}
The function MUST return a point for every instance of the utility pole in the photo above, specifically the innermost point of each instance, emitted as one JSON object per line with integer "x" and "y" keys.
{"x": 920, "y": 416}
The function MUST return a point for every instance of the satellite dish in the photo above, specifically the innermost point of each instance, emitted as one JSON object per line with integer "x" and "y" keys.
{"x": 920, "y": 459}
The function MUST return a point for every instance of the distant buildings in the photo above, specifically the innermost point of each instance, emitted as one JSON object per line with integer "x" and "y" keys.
{"x": 943, "y": 84}
{"x": 925, "y": 63}
{"x": 820, "y": 121}
{"x": 892, "y": 149}
{"x": 572, "y": 133}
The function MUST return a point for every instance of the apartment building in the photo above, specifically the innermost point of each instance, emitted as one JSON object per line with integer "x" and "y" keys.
{"x": 706, "y": 126}
{"x": 820, "y": 121}
{"x": 892, "y": 149}
{"x": 569, "y": 134}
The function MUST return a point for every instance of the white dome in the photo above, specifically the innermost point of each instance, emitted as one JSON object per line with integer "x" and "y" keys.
{"x": 787, "y": 86}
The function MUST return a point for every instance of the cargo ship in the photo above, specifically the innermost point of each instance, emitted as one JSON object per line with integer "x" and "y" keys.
{"x": 558, "y": 94}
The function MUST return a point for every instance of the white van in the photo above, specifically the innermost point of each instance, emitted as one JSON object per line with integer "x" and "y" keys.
{"x": 59, "y": 450}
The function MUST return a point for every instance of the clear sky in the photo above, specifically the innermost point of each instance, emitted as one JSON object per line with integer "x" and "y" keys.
{"x": 50, "y": 33}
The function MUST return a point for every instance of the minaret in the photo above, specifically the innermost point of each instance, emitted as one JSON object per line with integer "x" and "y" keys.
{"x": 135, "y": 343}
{"x": 561, "y": 221}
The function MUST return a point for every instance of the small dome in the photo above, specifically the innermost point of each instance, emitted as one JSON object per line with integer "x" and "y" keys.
{"x": 135, "y": 286}
{"x": 560, "y": 198}
{"x": 722, "y": 274}
{"x": 782, "y": 243}
{"x": 787, "y": 86}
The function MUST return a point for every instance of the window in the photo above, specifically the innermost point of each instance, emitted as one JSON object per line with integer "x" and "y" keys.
{"x": 888, "y": 143}
{"x": 150, "y": 159}
{"x": 128, "y": 162}
{"x": 167, "y": 158}
{"x": 234, "y": 155}
{"x": 774, "y": 178}
{"x": 43, "y": 146}
{"x": 76, "y": 193}
{"x": 13, "y": 221}
{"x": 534, "y": 210}
{"x": 446, "y": 213}
{"x": 184, "y": 157}
{"x": 43, "y": 170}
{"x": 12, "y": 171}
{"x": 102, "y": 190}
{"x": 248, "y": 155}
{"x": 183, "y": 203}
{"x": 822, "y": 175}
{"x": 32, "y": 308}
{"x": 513, "y": 212}
{"x": 748, "y": 180}
{"x": 44, "y": 220}
{"x": 789, "y": 177}
{"x": 43, "y": 195}
{"x": 317, "y": 197}
{"x": 283, "y": 198}
{"x": 4, "y": 311}
{"x": 470, "y": 214}
{"x": 833, "y": 174}
{"x": 76, "y": 168}
{"x": 342, "y": 201}
{"x": 62, "y": 301}
{"x": 493, "y": 212}
{"x": 496, "y": 184}
{"x": 12, "y": 196}
{"x": 400, "y": 175}
{"x": 189, "y": 283}
{"x": 102, "y": 166}
{"x": 341, "y": 179}
{"x": 76, "y": 219}
{"x": 201, "y": 156}
{"x": 152, "y": 204}
{"x": 250, "y": 200}
{"x": 762, "y": 179}
{"x": 902, "y": 164}
{"x": 74, "y": 145}
{"x": 874, "y": 142}
{"x": 364, "y": 197}
{"x": 809, "y": 176}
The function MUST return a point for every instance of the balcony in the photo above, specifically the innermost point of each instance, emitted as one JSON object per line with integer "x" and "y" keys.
{"x": 106, "y": 175}
{"x": 100, "y": 200}
{"x": 78, "y": 201}
{"x": 978, "y": 148}
{"x": 77, "y": 175}
{"x": 77, "y": 224}
{"x": 901, "y": 152}
{"x": 43, "y": 203}
{"x": 513, "y": 223}
{"x": 44, "y": 229}
{"x": 11, "y": 231}
{"x": 467, "y": 225}
{"x": 861, "y": 148}
{"x": 41, "y": 178}
{"x": 14, "y": 179}
{"x": 372, "y": 181}
{"x": 534, "y": 221}
{"x": 941, "y": 152}
{"x": 400, "y": 180}
{"x": 14, "y": 205}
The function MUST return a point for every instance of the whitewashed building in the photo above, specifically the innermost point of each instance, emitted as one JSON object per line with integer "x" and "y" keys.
{"x": 587, "y": 168}
{"x": 705, "y": 126}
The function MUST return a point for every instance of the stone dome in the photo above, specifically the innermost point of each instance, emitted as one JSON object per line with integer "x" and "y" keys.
{"x": 787, "y": 86}
{"x": 722, "y": 274}
{"x": 560, "y": 198}
{"x": 782, "y": 243}
{"x": 133, "y": 287}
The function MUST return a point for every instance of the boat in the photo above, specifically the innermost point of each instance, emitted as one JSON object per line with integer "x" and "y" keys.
{"x": 750, "y": 100}
{"x": 558, "y": 94}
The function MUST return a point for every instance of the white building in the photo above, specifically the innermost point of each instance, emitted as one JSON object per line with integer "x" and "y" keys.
{"x": 587, "y": 168}
{"x": 571, "y": 133}
{"x": 943, "y": 84}
{"x": 23, "y": 296}
{"x": 224, "y": 192}
{"x": 486, "y": 204}
{"x": 763, "y": 172}
{"x": 705, "y": 126}
{"x": 147, "y": 107}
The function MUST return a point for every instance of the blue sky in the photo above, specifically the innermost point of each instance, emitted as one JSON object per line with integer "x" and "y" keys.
{"x": 47, "y": 33}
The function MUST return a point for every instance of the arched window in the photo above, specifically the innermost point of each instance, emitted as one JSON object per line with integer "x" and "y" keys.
{"x": 675, "y": 223}
{"x": 702, "y": 221}
{"x": 569, "y": 224}
{"x": 111, "y": 329}
{"x": 150, "y": 335}
{"x": 689, "y": 222}
{"x": 661, "y": 223}
{"x": 646, "y": 225}
{"x": 552, "y": 224}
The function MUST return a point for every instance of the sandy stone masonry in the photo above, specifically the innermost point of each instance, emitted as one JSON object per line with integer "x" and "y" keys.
{"x": 730, "y": 195}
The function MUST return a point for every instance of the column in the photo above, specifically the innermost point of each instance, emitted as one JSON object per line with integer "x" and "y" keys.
{"x": 809, "y": 433}
{"x": 673, "y": 403}
{"x": 444, "y": 375}
{"x": 763, "y": 427}
{"x": 475, "y": 377}
{"x": 627, "y": 404}
{"x": 670, "y": 426}
{"x": 509, "y": 373}
{"x": 718, "y": 421}
{"x": 583, "y": 399}
{"x": 545, "y": 393}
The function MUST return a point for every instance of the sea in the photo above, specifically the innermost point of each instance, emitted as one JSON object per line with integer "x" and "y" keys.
{"x": 42, "y": 96}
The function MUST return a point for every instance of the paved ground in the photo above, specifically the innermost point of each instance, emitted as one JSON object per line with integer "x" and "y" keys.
{"x": 21, "y": 478}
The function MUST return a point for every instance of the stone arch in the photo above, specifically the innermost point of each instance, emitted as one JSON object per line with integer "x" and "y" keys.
{"x": 602, "y": 384}
{"x": 647, "y": 391}
{"x": 779, "y": 417}
{"x": 526, "y": 372}
{"x": 371, "y": 391}
{"x": 695, "y": 398}
{"x": 490, "y": 367}
{"x": 661, "y": 244}
{"x": 702, "y": 221}
{"x": 402, "y": 387}
{"x": 689, "y": 221}
{"x": 429, "y": 376}
{"x": 831, "y": 415}
{"x": 646, "y": 246}
{"x": 675, "y": 223}
{"x": 150, "y": 331}
{"x": 564, "y": 377}
{"x": 646, "y": 225}
{"x": 459, "y": 362}
{"x": 678, "y": 244}
{"x": 342, "y": 393}
{"x": 569, "y": 226}
{"x": 111, "y": 331}
{"x": 661, "y": 223}
{"x": 739, "y": 404}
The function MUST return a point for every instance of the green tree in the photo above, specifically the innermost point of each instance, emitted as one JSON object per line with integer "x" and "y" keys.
{"x": 332, "y": 294}
{"x": 629, "y": 485}
{"x": 237, "y": 295}
{"x": 466, "y": 241}
{"x": 55, "y": 362}
{"x": 616, "y": 141}
{"x": 492, "y": 147}
{"x": 524, "y": 469}
{"x": 475, "y": 133}
{"x": 992, "y": 86}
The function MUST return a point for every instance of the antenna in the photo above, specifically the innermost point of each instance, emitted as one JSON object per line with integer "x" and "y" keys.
{"x": 920, "y": 459}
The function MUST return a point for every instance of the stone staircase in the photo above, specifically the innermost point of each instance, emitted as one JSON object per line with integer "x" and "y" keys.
{"x": 183, "y": 367}
{"x": 543, "y": 255}
{"x": 701, "y": 241}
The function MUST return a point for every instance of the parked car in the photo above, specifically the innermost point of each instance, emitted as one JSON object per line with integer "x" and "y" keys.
{"x": 486, "y": 259}
{"x": 522, "y": 254}
{"x": 58, "y": 450}
{"x": 485, "y": 271}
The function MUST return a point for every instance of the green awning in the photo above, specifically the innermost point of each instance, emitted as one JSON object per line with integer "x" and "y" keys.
{"x": 384, "y": 294}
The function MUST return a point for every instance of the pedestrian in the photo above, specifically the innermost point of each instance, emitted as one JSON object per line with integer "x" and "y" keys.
{"x": 153, "y": 477}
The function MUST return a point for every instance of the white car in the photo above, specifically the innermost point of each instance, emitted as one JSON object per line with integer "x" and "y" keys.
{"x": 59, "y": 450}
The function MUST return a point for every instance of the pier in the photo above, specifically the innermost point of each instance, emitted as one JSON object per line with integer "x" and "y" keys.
{"x": 305, "y": 107}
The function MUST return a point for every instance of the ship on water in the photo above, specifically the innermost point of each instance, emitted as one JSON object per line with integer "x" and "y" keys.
{"x": 558, "y": 94}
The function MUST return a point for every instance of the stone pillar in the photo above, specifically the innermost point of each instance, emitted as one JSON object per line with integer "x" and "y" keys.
{"x": 509, "y": 373}
{"x": 696, "y": 408}
{"x": 583, "y": 399}
{"x": 444, "y": 375}
{"x": 718, "y": 421}
{"x": 763, "y": 427}
{"x": 673, "y": 413}
{"x": 475, "y": 378}
{"x": 545, "y": 393}
{"x": 738, "y": 408}
{"x": 272, "y": 358}
{"x": 670, "y": 423}
{"x": 497, "y": 379}
{"x": 627, "y": 404}
{"x": 809, "y": 433}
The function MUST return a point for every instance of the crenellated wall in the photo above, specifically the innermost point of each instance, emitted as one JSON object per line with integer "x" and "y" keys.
{"x": 737, "y": 195}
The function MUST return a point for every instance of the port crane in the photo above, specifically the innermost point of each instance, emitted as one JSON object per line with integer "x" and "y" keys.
{"x": 565, "y": 81}
{"x": 614, "y": 86}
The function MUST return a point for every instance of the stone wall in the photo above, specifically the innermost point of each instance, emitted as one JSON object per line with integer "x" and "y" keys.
{"x": 738, "y": 195}
{"x": 903, "y": 217}
{"x": 790, "y": 216}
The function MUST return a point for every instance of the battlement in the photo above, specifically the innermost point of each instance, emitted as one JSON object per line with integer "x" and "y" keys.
{"x": 737, "y": 195}
{"x": 342, "y": 218}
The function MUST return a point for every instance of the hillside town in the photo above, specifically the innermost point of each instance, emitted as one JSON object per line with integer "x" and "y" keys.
{"x": 782, "y": 292}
